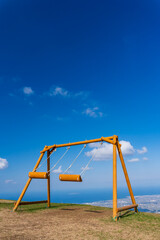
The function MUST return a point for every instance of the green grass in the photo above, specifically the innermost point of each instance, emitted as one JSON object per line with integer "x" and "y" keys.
{"x": 140, "y": 217}
{"x": 6, "y": 205}
{"x": 96, "y": 208}
{"x": 43, "y": 206}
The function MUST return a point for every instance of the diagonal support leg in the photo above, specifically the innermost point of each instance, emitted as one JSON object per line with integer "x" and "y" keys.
{"x": 126, "y": 175}
{"x": 28, "y": 182}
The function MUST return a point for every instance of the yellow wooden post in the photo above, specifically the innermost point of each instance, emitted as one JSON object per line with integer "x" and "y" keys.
{"x": 114, "y": 178}
{"x": 48, "y": 180}
{"x": 27, "y": 184}
{"x": 126, "y": 175}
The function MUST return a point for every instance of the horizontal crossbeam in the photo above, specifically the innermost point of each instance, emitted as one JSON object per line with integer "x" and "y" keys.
{"x": 127, "y": 207}
{"x": 106, "y": 139}
{"x": 28, "y": 203}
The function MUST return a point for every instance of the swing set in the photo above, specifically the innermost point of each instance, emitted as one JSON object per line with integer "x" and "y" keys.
{"x": 78, "y": 177}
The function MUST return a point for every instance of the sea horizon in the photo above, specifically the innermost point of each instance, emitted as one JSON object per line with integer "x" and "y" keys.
{"x": 147, "y": 198}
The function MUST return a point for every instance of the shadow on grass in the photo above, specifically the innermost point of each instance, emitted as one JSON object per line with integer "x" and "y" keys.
{"x": 94, "y": 211}
{"x": 126, "y": 214}
{"x": 37, "y": 207}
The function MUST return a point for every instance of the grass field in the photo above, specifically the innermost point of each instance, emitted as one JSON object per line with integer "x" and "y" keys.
{"x": 73, "y": 221}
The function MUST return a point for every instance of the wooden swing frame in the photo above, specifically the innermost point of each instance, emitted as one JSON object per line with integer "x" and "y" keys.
{"x": 116, "y": 146}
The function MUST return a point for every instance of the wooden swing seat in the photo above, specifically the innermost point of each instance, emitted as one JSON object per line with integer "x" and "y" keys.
{"x": 70, "y": 178}
{"x": 39, "y": 175}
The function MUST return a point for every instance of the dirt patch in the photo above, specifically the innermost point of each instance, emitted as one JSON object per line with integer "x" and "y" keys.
{"x": 78, "y": 223}
{"x": 6, "y": 201}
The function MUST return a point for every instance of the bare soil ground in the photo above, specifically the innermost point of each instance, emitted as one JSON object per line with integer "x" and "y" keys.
{"x": 74, "y": 222}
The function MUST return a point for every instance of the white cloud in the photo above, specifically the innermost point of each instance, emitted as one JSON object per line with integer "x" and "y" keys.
{"x": 127, "y": 148}
{"x": 55, "y": 91}
{"x": 3, "y": 163}
{"x": 145, "y": 158}
{"x": 67, "y": 94}
{"x": 10, "y": 181}
{"x": 28, "y": 90}
{"x": 93, "y": 112}
{"x": 133, "y": 160}
{"x": 59, "y": 91}
{"x": 142, "y": 151}
{"x": 58, "y": 170}
{"x": 100, "y": 152}
{"x": 95, "y": 145}
{"x": 105, "y": 151}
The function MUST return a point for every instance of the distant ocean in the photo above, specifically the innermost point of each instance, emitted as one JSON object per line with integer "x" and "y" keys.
{"x": 147, "y": 198}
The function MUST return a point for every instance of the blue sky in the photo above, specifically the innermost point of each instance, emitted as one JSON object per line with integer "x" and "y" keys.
{"x": 79, "y": 70}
